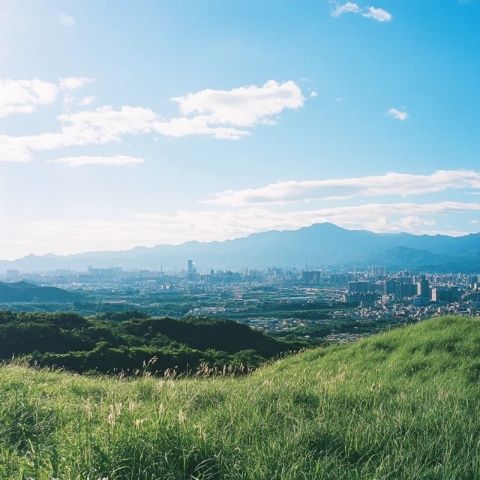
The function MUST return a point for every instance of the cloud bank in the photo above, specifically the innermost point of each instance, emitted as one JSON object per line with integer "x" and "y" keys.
{"x": 209, "y": 225}
{"x": 400, "y": 184}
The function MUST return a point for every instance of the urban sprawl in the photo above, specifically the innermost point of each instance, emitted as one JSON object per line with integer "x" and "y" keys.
{"x": 277, "y": 300}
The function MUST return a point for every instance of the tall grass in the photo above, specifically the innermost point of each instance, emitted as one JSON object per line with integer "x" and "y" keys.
{"x": 401, "y": 405}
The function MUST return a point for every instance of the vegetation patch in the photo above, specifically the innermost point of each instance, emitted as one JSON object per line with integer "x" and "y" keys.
{"x": 135, "y": 344}
{"x": 345, "y": 414}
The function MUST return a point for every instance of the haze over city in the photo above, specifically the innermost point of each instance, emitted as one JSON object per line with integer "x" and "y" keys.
{"x": 172, "y": 121}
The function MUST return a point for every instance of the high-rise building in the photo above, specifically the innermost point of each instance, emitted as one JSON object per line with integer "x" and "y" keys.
{"x": 378, "y": 270}
{"x": 389, "y": 286}
{"x": 191, "y": 271}
{"x": 312, "y": 277}
{"x": 423, "y": 287}
{"x": 360, "y": 287}
{"x": 400, "y": 287}
{"x": 445, "y": 294}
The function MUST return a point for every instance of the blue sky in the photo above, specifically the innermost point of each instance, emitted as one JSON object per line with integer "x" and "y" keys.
{"x": 126, "y": 124}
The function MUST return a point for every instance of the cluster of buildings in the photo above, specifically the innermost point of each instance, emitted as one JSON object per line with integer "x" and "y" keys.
{"x": 379, "y": 294}
{"x": 371, "y": 293}
{"x": 376, "y": 285}
{"x": 420, "y": 290}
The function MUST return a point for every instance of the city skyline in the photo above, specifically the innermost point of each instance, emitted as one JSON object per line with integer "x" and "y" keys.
{"x": 168, "y": 123}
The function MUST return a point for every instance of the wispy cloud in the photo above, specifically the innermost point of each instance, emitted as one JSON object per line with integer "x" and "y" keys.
{"x": 66, "y": 20}
{"x": 397, "y": 114}
{"x": 86, "y": 100}
{"x": 87, "y": 160}
{"x": 72, "y": 101}
{"x": 399, "y": 184}
{"x": 378, "y": 14}
{"x": 199, "y": 125}
{"x": 348, "y": 7}
{"x": 104, "y": 124}
{"x": 73, "y": 83}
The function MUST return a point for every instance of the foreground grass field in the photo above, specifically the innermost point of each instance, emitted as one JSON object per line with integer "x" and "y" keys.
{"x": 400, "y": 405}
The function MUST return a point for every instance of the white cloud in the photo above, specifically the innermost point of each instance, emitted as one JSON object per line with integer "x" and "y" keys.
{"x": 241, "y": 107}
{"x": 400, "y": 184}
{"x": 66, "y": 20}
{"x": 86, "y": 160}
{"x": 414, "y": 222}
{"x": 72, "y": 101}
{"x": 348, "y": 7}
{"x": 72, "y": 83}
{"x": 25, "y": 96}
{"x": 394, "y": 217}
{"x": 103, "y": 125}
{"x": 68, "y": 84}
{"x": 218, "y": 225}
{"x": 227, "y": 114}
{"x": 221, "y": 114}
{"x": 184, "y": 126}
{"x": 378, "y": 14}
{"x": 397, "y": 114}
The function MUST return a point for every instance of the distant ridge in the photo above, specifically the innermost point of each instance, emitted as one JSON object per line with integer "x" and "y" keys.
{"x": 323, "y": 244}
{"x": 29, "y": 292}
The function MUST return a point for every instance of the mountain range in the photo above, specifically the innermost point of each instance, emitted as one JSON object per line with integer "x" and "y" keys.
{"x": 320, "y": 245}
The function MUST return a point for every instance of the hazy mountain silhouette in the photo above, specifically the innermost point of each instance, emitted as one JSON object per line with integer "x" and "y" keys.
{"x": 322, "y": 244}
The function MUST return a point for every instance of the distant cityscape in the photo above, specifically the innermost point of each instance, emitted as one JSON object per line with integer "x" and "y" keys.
{"x": 273, "y": 299}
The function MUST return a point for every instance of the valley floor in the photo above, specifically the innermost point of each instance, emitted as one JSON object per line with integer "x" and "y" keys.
{"x": 401, "y": 405}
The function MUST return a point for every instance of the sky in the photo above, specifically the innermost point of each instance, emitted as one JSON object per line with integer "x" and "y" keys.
{"x": 151, "y": 122}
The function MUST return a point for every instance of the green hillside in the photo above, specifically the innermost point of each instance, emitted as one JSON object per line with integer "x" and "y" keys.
{"x": 401, "y": 405}
{"x": 129, "y": 343}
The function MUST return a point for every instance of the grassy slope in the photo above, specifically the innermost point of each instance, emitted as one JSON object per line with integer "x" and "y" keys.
{"x": 401, "y": 405}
